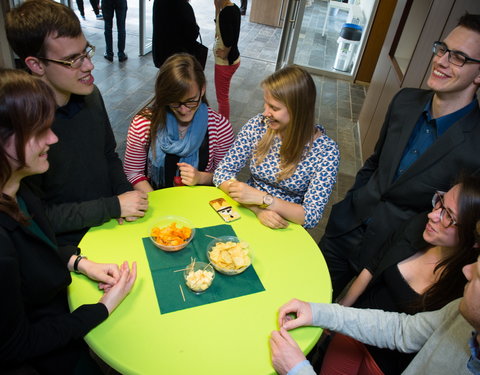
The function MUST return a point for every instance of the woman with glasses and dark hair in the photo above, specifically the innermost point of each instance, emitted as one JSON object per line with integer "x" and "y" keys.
{"x": 38, "y": 333}
{"x": 177, "y": 138}
{"x": 419, "y": 269}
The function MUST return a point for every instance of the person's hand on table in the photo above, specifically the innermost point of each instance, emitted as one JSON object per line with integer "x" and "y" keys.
{"x": 105, "y": 273}
{"x": 189, "y": 174}
{"x": 121, "y": 220}
{"x": 115, "y": 294}
{"x": 295, "y": 313}
{"x": 133, "y": 204}
{"x": 284, "y": 351}
{"x": 271, "y": 219}
{"x": 244, "y": 193}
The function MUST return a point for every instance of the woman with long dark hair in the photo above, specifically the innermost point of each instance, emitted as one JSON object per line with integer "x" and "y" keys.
{"x": 420, "y": 269}
{"x": 177, "y": 138}
{"x": 36, "y": 328}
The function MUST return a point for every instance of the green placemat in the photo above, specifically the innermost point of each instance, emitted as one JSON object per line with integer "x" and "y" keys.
{"x": 166, "y": 281}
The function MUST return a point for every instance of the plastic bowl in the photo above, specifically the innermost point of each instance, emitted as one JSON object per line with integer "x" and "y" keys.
{"x": 233, "y": 266}
{"x": 180, "y": 222}
{"x": 199, "y": 276}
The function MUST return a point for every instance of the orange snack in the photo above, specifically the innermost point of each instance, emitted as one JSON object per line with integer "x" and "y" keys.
{"x": 171, "y": 235}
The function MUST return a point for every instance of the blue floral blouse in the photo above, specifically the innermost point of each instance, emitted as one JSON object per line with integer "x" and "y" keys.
{"x": 311, "y": 183}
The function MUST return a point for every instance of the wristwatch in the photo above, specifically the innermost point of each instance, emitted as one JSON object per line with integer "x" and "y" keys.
{"x": 267, "y": 200}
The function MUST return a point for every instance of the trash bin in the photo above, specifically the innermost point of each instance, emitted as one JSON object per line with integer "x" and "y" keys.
{"x": 348, "y": 42}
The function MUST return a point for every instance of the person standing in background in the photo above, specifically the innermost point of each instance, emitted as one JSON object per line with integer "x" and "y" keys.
{"x": 119, "y": 7}
{"x": 94, "y": 4}
{"x": 227, "y": 56}
{"x": 243, "y": 7}
{"x": 175, "y": 29}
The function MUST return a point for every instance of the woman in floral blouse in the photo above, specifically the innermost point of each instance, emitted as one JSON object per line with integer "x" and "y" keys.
{"x": 293, "y": 163}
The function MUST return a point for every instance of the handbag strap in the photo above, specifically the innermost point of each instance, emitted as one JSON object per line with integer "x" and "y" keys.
{"x": 200, "y": 35}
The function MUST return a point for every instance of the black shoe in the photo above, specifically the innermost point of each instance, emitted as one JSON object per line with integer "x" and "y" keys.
{"x": 122, "y": 57}
{"x": 108, "y": 57}
{"x": 243, "y": 12}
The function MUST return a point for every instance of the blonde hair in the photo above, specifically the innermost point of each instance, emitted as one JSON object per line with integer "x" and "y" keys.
{"x": 293, "y": 87}
{"x": 175, "y": 78}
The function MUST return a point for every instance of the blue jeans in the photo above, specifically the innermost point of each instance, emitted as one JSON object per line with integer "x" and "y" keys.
{"x": 120, "y": 9}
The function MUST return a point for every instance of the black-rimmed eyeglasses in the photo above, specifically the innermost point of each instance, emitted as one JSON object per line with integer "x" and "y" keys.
{"x": 455, "y": 57}
{"x": 77, "y": 62}
{"x": 446, "y": 218}
{"x": 189, "y": 104}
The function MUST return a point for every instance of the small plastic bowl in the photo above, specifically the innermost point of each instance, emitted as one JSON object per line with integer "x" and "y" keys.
{"x": 222, "y": 269}
{"x": 181, "y": 222}
{"x": 199, "y": 276}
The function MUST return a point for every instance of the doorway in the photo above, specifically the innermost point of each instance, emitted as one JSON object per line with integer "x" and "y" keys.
{"x": 326, "y": 37}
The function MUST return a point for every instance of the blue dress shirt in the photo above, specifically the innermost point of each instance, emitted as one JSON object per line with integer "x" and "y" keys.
{"x": 473, "y": 364}
{"x": 426, "y": 131}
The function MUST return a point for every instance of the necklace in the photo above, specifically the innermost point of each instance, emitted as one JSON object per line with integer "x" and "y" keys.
{"x": 182, "y": 131}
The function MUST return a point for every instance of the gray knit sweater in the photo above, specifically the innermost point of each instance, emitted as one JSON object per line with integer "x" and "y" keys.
{"x": 440, "y": 337}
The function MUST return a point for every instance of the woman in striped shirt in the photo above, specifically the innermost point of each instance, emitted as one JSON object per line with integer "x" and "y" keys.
{"x": 176, "y": 139}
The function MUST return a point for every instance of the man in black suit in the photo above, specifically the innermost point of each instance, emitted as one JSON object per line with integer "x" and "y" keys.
{"x": 426, "y": 138}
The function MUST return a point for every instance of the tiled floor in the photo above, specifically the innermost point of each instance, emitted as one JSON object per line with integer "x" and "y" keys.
{"x": 314, "y": 49}
{"x": 126, "y": 87}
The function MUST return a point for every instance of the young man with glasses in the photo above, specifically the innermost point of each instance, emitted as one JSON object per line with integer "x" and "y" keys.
{"x": 427, "y": 136}
{"x": 85, "y": 184}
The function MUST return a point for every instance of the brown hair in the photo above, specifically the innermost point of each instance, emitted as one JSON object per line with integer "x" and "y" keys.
{"x": 175, "y": 78}
{"x": 27, "y": 107}
{"x": 470, "y": 21}
{"x": 28, "y": 26}
{"x": 294, "y": 87}
{"x": 451, "y": 280}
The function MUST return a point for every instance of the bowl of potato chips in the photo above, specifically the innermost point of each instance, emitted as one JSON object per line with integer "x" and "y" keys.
{"x": 199, "y": 276}
{"x": 172, "y": 233}
{"x": 229, "y": 255}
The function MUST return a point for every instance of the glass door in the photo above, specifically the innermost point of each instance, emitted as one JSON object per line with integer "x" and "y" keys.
{"x": 288, "y": 41}
{"x": 145, "y": 26}
{"x": 326, "y": 36}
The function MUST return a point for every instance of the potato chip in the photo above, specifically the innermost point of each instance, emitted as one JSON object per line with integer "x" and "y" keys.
{"x": 171, "y": 235}
{"x": 230, "y": 256}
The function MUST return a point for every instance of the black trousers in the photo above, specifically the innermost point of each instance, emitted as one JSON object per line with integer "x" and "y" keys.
{"x": 341, "y": 255}
{"x": 94, "y": 4}
{"x": 243, "y": 5}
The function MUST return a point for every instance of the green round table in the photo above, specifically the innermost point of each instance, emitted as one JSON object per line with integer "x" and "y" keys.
{"x": 226, "y": 337}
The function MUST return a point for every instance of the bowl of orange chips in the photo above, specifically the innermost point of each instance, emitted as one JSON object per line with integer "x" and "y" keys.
{"x": 229, "y": 255}
{"x": 172, "y": 233}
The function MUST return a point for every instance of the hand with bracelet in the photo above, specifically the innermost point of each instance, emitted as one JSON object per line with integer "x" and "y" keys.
{"x": 271, "y": 211}
{"x": 114, "y": 281}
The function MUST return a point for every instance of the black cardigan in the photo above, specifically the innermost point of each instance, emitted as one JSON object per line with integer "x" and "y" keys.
{"x": 230, "y": 19}
{"x": 36, "y": 327}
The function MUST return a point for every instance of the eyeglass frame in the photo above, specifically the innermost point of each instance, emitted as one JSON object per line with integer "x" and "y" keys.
{"x": 438, "y": 198}
{"x": 455, "y": 53}
{"x": 88, "y": 54}
{"x": 177, "y": 105}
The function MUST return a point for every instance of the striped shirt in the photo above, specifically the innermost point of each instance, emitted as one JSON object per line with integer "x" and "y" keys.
{"x": 220, "y": 138}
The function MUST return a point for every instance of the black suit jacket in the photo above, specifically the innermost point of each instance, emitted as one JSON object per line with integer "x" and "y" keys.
{"x": 36, "y": 326}
{"x": 381, "y": 203}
